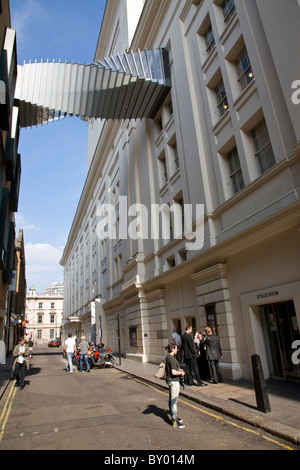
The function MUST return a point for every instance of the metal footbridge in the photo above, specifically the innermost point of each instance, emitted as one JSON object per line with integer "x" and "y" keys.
{"x": 132, "y": 85}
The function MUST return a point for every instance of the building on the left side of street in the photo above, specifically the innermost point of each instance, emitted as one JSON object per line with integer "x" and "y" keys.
{"x": 17, "y": 292}
{"x": 10, "y": 173}
{"x": 44, "y": 313}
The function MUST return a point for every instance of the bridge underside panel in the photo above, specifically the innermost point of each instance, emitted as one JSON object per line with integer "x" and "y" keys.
{"x": 128, "y": 86}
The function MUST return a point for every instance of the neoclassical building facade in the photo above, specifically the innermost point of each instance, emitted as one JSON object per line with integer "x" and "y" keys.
{"x": 44, "y": 315}
{"x": 227, "y": 140}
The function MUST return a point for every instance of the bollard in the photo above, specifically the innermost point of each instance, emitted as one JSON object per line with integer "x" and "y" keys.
{"x": 262, "y": 398}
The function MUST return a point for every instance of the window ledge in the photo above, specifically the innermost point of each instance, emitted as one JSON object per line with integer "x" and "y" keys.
{"x": 221, "y": 122}
{"x": 238, "y": 101}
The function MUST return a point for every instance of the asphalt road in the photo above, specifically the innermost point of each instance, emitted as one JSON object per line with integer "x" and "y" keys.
{"x": 110, "y": 410}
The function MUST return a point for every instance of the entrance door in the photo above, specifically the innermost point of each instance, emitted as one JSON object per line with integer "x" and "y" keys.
{"x": 281, "y": 330}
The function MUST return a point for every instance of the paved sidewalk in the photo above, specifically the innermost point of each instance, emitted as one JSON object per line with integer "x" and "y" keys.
{"x": 235, "y": 399}
{"x": 5, "y": 374}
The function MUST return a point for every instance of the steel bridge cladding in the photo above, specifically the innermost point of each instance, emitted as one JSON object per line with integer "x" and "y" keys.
{"x": 132, "y": 85}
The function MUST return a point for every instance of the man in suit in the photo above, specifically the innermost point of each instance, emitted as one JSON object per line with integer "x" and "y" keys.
{"x": 190, "y": 358}
{"x": 213, "y": 354}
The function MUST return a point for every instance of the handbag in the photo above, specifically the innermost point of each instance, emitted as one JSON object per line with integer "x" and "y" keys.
{"x": 161, "y": 371}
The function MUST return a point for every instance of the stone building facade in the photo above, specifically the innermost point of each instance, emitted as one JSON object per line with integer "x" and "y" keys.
{"x": 226, "y": 138}
{"x": 44, "y": 315}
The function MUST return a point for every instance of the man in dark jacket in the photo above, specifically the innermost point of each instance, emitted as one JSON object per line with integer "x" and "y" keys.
{"x": 20, "y": 353}
{"x": 213, "y": 354}
{"x": 190, "y": 358}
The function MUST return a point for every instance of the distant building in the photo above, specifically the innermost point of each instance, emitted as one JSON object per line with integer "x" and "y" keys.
{"x": 55, "y": 288}
{"x": 44, "y": 313}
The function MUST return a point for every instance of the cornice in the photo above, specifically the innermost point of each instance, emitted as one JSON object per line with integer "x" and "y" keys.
{"x": 109, "y": 17}
{"x": 152, "y": 16}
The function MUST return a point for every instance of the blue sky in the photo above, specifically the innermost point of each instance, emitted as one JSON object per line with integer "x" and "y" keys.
{"x": 53, "y": 156}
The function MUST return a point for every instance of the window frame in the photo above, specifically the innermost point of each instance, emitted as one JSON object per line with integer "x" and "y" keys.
{"x": 209, "y": 39}
{"x": 222, "y": 102}
{"x": 243, "y": 74}
{"x": 235, "y": 171}
{"x": 262, "y": 138}
{"x": 228, "y": 11}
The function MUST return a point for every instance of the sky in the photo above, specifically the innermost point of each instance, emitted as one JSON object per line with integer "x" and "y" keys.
{"x": 53, "y": 156}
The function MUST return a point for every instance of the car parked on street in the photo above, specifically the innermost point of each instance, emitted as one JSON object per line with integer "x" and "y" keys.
{"x": 54, "y": 343}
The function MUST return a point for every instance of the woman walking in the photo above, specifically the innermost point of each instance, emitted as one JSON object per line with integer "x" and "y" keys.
{"x": 21, "y": 353}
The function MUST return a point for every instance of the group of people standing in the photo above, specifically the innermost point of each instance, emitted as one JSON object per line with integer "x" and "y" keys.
{"x": 70, "y": 348}
{"x": 201, "y": 355}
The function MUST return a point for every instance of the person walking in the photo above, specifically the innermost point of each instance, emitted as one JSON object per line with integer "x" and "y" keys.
{"x": 21, "y": 353}
{"x": 30, "y": 345}
{"x": 213, "y": 354}
{"x": 190, "y": 358}
{"x": 69, "y": 350}
{"x": 83, "y": 347}
{"x": 173, "y": 374}
{"x": 177, "y": 340}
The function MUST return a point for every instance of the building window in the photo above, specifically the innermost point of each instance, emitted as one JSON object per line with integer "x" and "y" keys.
{"x": 228, "y": 8}
{"x": 211, "y": 317}
{"x": 235, "y": 171}
{"x": 52, "y": 318}
{"x": 134, "y": 336}
{"x": 176, "y": 159}
{"x": 52, "y": 332}
{"x": 171, "y": 227}
{"x": 40, "y": 319}
{"x": 39, "y": 334}
{"x": 158, "y": 124}
{"x": 206, "y": 38}
{"x": 52, "y": 304}
{"x": 209, "y": 39}
{"x": 40, "y": 304}
{"x": 244, "y": 69}
{"x": 222, "y": 103}
{"x": 262, "y": 146}
{"x": 178, "y": 216}
{"x": 162, "y": 169}
{"x": 173, "y": 155}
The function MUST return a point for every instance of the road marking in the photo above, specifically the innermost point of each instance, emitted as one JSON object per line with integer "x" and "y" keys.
{"x": 278, "y": 443}
{"x": 7, "y": 409}
{"x": 216, "y": 416}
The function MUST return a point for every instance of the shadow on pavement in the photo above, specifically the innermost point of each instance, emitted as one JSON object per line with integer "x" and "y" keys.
{"x": 153, "y": 409}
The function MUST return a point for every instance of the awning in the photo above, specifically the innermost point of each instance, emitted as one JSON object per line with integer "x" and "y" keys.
{"x": 128, "y": 86}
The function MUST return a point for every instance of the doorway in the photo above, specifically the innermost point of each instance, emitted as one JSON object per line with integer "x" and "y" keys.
{"x": 281, "y": 330}
{"x": 177, "y": 325}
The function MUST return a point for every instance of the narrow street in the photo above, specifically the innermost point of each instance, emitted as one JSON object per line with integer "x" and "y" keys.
{"x": 110, "y": 410}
